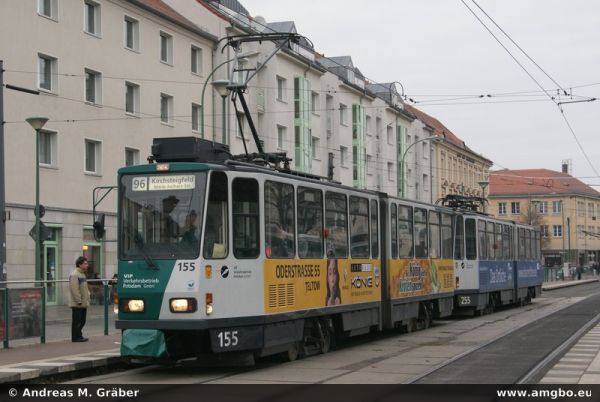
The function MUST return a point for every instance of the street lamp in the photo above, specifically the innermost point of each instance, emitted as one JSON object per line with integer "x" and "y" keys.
{"x": 432, "y": 139}
{"x": 242, "y": 60}
{"x": 37, "y": 123}
{"x": 483, "y": 184}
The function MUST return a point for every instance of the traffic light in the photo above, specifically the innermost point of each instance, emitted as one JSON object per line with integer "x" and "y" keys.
{"x": 99, "y": 230}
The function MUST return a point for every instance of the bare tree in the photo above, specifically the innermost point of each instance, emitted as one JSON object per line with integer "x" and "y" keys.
{"x": 531, "y": 216}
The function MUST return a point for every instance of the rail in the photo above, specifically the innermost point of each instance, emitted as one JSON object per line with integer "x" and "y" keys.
{"x": 30, "y": 302}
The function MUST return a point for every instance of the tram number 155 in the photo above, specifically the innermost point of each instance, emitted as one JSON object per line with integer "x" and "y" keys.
{"x": 227, "y": 338}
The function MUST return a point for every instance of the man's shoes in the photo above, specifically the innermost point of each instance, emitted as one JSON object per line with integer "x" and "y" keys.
{"x": 80, "y": 340}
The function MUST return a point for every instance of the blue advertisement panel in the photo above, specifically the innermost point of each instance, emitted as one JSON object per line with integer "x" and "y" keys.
{"x": 529, "y": 273}
{"x": 496, "y": 275}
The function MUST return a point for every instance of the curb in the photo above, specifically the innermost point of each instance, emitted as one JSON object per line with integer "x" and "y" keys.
{"x": 560, "y": 285}
{"x": 43, "y": 368}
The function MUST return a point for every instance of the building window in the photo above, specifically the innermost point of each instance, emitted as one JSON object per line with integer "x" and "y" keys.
{"x": 368, "y": 123}
{"x": 281, "y": 89}
{"x": 132, "y": 33}
{"x": 48, "y": 8}
{"x": 47, "y": 73}
{"x": 314, "y": 102}
{"x": 591, "y": 210}
{"x": 93, "y": 156}
{"x": 343, "y": 114}
{"x": 557, "y": 230}
{"x": 390, "y": 134}
{"x": 132, "y": 98}
{"x": 369, "y": 165}
{"x": 196, "y": 111}
{"x": 166, "y": 109}
{"x": 580, "y": 229}
{"x": 93, "y": 87}
{"x": 196, "y": 56}
{"x": 543, "y": 207}
{"x": 390, "y": 171}
{"x": 501, "y": 208}
{"x": 544, "y": 231}
{"x": 343, "y": 156}
{"x": 281, "y": 134}
{"x": 315, "y": 147}
{"x": 92, "y": 17}
{"x": 581, "y": 208}
{"x": 132, "y": 156}
{"x": 515, "y": 208}
{"x": 556, "y": 207}
{"x": 48, "y": 148}
{"x": 166, "y": 48}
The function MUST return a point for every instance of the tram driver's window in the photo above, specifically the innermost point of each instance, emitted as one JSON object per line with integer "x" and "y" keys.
{"x": 246, "y": 230}
{"x": 216, "y": 223}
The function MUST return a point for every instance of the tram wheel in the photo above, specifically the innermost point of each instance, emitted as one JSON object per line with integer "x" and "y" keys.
{"x": 293, "y": 352}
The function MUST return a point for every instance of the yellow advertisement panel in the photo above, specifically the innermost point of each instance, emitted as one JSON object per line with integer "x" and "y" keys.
{"x": 292, "y": 285}
{"x": 420, "y": 277}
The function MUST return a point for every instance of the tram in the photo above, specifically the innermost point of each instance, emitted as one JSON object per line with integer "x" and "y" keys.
{"x": 221, "y": 257}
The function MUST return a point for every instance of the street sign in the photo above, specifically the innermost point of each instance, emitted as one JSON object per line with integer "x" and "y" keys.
{"x": 45, "y": 232}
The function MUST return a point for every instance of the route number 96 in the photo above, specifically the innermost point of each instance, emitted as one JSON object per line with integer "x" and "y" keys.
{"x": 227, "y": 338}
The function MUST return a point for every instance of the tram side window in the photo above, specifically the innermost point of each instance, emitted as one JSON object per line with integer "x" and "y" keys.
{"x": 336, "y": 224}
{"x": 528, "y": 244}
{"x": 521, "y": 244}
{"x": 459, "y": 239}
{"x": 507, "y": 239}
{"x": 279, "y": 220}
{"x": 405, "y": 232}
{"x": 394, "y": 230}
{"x": 498, "y": 243}
{"x": 538, "y": 246}
{"x": 374, "y": 229}
{"x": 310, "y": 223}
{"x": 434, "y": 234}
{"x": 359, "y": 227}
{"x": 421, "y": 236}
{"x": 246, "y": 230}
{"x": 470, "y": 239}
{"x": 215, "y": 229}
{"x": 446, "y": 236}
{"x": 491, "y": 246}
{"x": 482, "y": 240}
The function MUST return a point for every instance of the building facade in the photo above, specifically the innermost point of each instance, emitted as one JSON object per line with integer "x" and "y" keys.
{"x": 114, "y": 74}
{"x": 566, "y": 210}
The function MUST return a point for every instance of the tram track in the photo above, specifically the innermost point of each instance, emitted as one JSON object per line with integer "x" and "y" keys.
{"x": 529, "y": 350}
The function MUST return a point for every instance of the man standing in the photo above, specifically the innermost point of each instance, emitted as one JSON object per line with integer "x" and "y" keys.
{"x": 79, "y": 298}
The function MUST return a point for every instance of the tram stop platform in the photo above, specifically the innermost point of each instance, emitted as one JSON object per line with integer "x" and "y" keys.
{"x": 33, "y": 362}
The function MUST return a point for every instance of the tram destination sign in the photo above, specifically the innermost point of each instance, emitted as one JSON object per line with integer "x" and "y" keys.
{"x": 158, "y": 183}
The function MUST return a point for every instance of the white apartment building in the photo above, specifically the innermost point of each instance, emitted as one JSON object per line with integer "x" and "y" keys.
{"x": 114, "y": 74}
{"x": 111, "y": 75}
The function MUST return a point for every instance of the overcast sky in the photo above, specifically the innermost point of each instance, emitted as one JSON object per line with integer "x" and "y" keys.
{"x": 439, "y": 51}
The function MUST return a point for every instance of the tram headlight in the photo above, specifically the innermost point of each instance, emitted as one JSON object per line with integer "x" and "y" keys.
{"x": 132, "y": 305}
{"x": 187, "y": 305}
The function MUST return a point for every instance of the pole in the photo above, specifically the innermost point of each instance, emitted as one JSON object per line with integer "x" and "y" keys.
{"x": 38, "y": 266}
{"x": 2, "y": 190}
